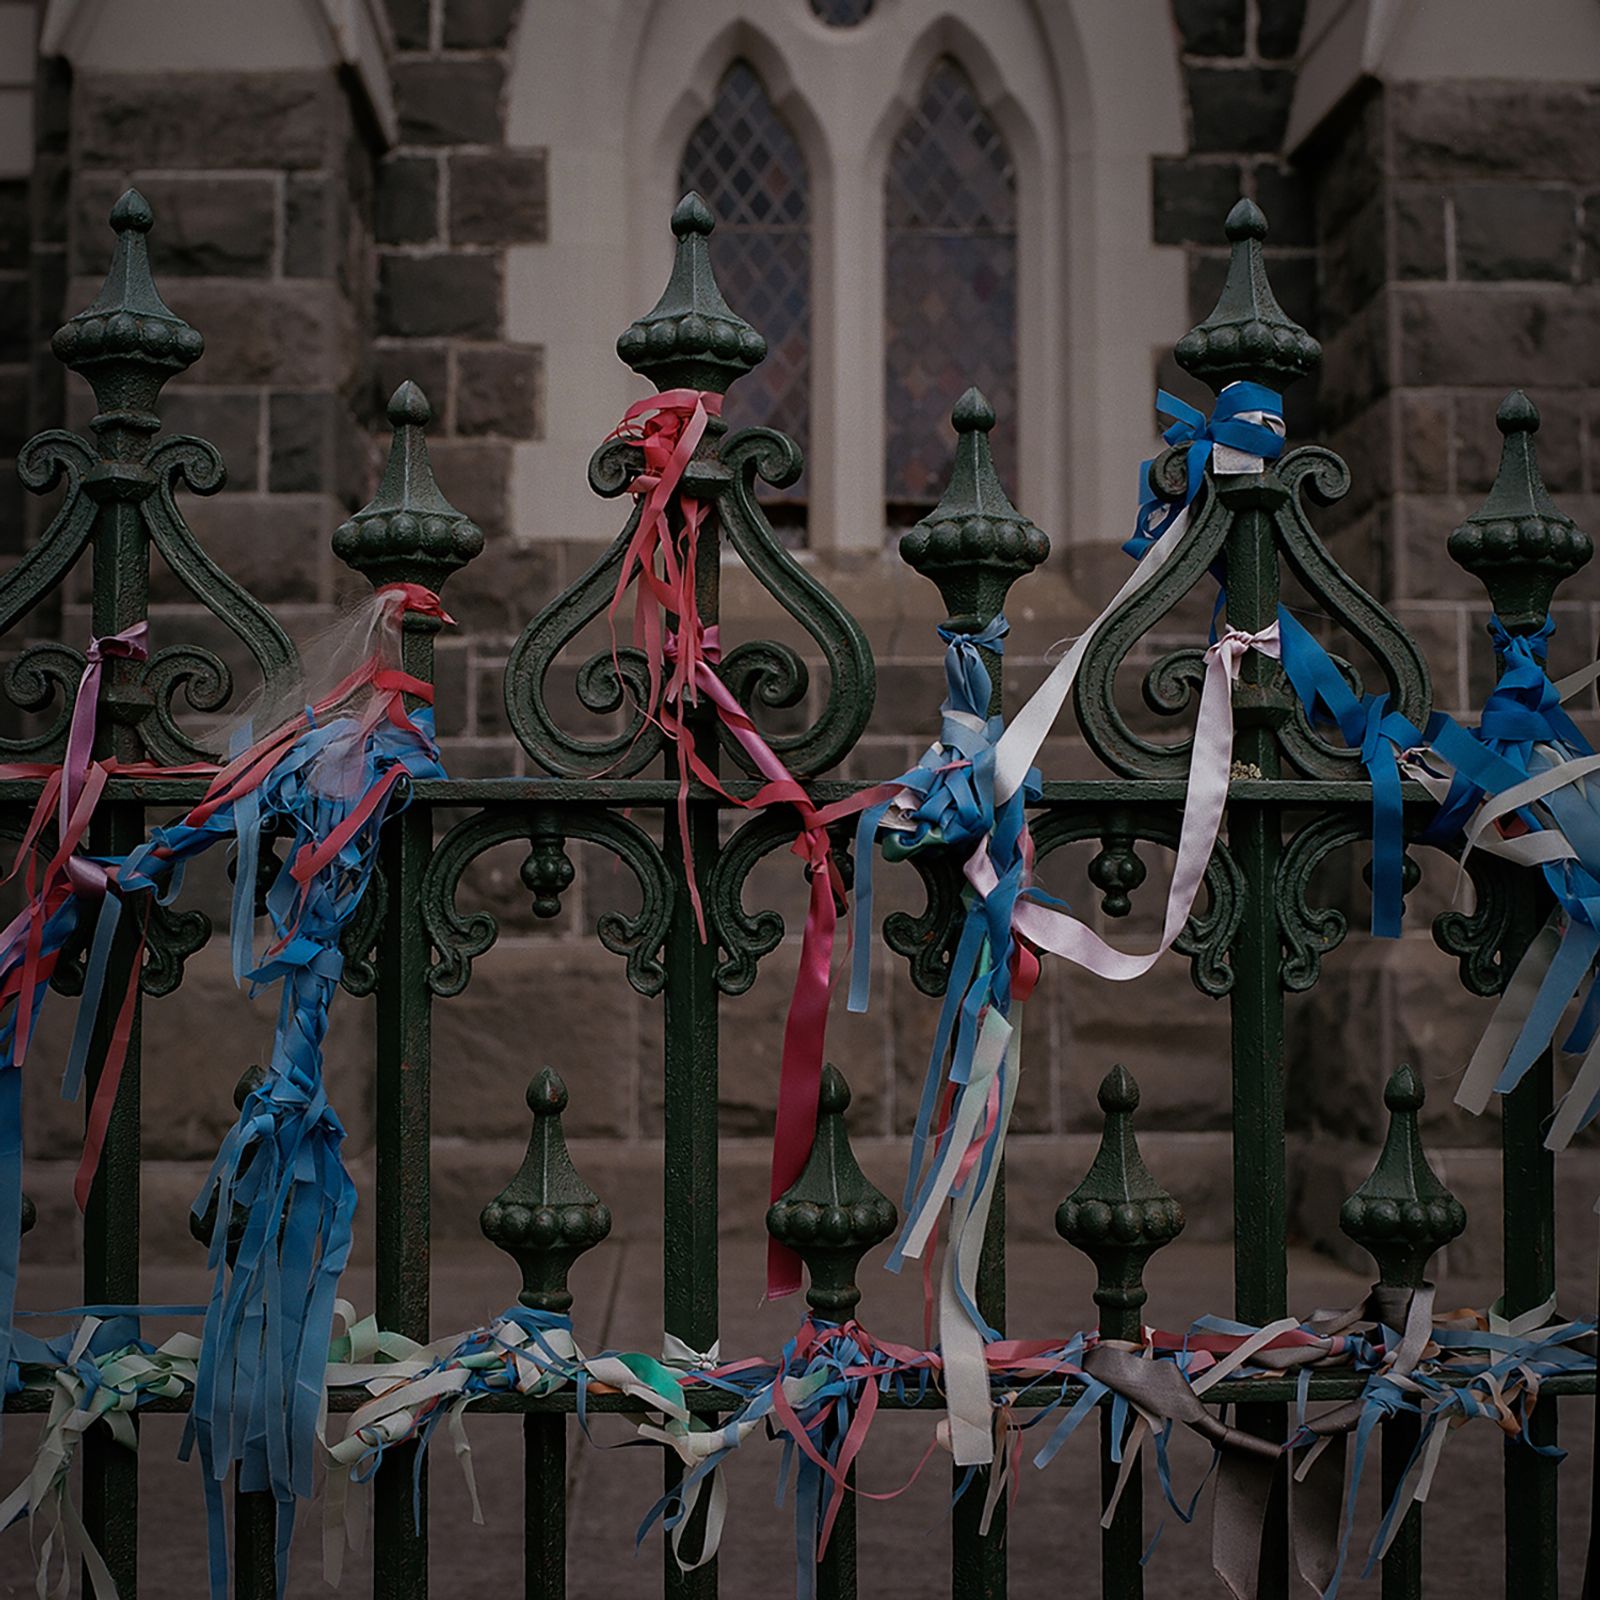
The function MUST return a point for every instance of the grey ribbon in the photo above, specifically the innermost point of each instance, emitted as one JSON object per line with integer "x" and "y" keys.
{"x": 1250, "y": 1464}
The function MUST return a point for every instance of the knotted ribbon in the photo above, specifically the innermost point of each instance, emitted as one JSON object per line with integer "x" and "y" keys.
{"x": 1238, "y": 424}
{"x": 95, "y": 1373}
{"x": 326, "y": 778}
{"x": 1520, "y": 787}
{"x": 962, "y": 1119}
{"x": 31, "y": 945}
{"x": 681, "y": 657}
{"x": 819, "y": 1398}
{"x": 1245, "y": 430}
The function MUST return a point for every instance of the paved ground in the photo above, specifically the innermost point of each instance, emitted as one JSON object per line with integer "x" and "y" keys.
{"x": 1053, "y": 1543}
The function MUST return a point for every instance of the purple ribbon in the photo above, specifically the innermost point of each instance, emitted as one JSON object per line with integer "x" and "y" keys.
{"x": 132, "y": 644}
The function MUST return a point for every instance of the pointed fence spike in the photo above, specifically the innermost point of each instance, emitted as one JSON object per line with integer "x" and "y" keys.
{"x": 692, "y": 338}
{"x": 408, "y": 532}
{"x": 1402, "y": 1213}
{"x": 974, "y": 544}
{"x": 1119, "y": 1216}
{"x": 547, "y": 1216}
{"x": 832, "y": 1214}
{"x": 128, "y": 342}
{"x": 1518, "y": 545}
{"x": 1248, "y": 336}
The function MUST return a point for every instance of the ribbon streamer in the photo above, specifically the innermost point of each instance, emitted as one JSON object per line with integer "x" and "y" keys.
{"x": 819, "y": 1398}
{"x": 681, "y": 654}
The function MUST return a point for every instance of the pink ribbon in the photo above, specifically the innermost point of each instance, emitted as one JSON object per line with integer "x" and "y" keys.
{"x": 132, "y": 644}
{"x": 73, "y": 790}
{"x": 680, "y": 662}
{"x": 805, "y": 1027}
{"x": 1062, "y": 934}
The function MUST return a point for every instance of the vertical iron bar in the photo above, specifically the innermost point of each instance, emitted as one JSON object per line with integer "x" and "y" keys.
{"x": 1121, "y": 1545}
{"x": 121, "y": 597}
{"x": 1402, "y": 1566}
{"x": 544, "y": 1506}
{"x": 1529, "y": 1222}
{"x": 836, "y": 1571}
{"x": 405, "y": 1056}
{"x": 255, "y": 1544}
{"x": 1260, "y": 1204}
{"x": 690, "y": 1120}
{"x": 978, "y": 1564}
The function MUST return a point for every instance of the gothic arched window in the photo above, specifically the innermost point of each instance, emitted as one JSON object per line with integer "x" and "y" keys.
{"x": 950, "y": 219}
{"x": 748, "y": 167}
{"x": 842, "y": 13}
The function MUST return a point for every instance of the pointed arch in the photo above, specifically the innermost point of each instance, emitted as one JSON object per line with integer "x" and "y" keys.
{"x": 747, "y": 164}
{"x": 950, "y": 283}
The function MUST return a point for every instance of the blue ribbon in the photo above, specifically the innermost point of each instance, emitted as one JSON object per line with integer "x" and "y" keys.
{"x": 1225, "y": 426}
{"x": 954, "y": 778}
{"x": 1366, "y": 724}
{"x": 1522, "y": 719}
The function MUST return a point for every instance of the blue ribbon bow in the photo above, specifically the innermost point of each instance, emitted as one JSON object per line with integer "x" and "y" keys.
{"x": 1225, "y": 426}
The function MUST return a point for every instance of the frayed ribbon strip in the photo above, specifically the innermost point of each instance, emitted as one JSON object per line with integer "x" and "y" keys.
{"x": 821, "y": 1396}
{"x": 329, "y": 775}
{"x": 1520, "y": 786}
{"x": 96, "y": 1372}
{"x": 1008, "y": 921}
{"x": 819, "y": 1400}
{"x": 681, "y": 654}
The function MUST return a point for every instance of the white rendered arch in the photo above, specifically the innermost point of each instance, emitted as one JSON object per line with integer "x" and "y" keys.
{"x": 1085, "y": 93}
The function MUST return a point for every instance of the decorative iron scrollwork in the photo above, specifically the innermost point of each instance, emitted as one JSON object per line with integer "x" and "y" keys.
{"x": 744, "y": 938}
{"x": 172, "y": 937}
{"x": 1170, "y": 683}
{"x": 1481, "y": 939}
{"x": 693, "y": 340}
{"x": 43, "y": 672}
{"x": 460, "y": 939}
{"x": 205, "y": 679}
{"x": 1309, "y": 933}
{"x": 927, "y": 938}
{"x": 606, "y": 682}
{"x": 773, "y": 675}
{"x": 1322, "y": 475}
{"x": 1208, "y": 935}
{"x": 358, "y": 943}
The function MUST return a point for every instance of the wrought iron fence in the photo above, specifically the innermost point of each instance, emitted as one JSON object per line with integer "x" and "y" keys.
{"x": 1293, "y": 800}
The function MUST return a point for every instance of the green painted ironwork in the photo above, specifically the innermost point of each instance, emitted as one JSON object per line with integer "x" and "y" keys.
{"x": 1296, "y": 801}
{"x": 1402, "y": 1215}
{"x": 1119, "y": 1216}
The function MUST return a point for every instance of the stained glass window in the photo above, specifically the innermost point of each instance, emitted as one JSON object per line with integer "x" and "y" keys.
{"x": 842, "y": 13}
{"x": 950, "y": 215}
{"x": 747, "y": 166}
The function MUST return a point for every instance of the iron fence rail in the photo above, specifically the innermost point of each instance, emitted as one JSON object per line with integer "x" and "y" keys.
{"x": 1260, "y": 937}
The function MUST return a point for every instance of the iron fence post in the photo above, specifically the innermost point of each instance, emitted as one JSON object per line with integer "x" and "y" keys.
{"x": 127, "y": 343}
{"x": 545, "y": 1218}
{"x": 1402, "y": 1215}
{"x": 407, "y": 533}
{"x": 1522, "y": 547}
{"x": 1119, "y": 1216}
{"x": 974, "y": 545}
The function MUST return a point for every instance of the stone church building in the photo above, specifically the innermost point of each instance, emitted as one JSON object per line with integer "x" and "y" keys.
{"x": 911, "y": 197}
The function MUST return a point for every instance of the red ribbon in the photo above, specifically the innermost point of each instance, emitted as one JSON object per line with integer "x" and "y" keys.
{"x": 681, "y": 662}
{"x": 73, "y": 791}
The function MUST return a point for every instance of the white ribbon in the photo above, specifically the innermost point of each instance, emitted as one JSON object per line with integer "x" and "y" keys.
{"x": 966, "y": 1366}
{"x": 1205, "y": 800}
